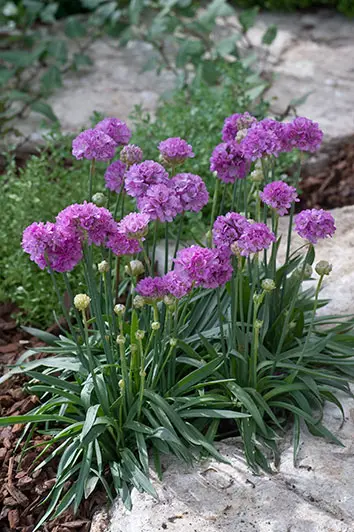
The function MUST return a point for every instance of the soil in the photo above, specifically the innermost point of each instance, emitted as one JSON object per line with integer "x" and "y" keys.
{"x": 333, "y": 186}
{"x": 23, "y": 489}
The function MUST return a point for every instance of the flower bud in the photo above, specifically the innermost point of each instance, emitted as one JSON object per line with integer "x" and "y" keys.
{"x": 142, "y": 373}
{"x": 99, "y": 199}
{"x": 139, "y": 335}
{"x": 103, "y": 266}
{"x": 120, "y": 339}
{"x": 258, "y": 324}
{"x": 235, "y": 250}
{"x": 119, "y": 309}
{"x": 173, "y": 342}
{"x": 138, "y": 302}
{"x": 121, "y": 384}
{"x": 257, "y": 175}
{"x": 81, "y": 301}
{"x": 135, "y": 268}
{"x": 155, "y": 325}
{"x": 169, "y": 301}
{"x": 323, "y": 267}
{"x": 240, "y": 135}
{"x": 268, "y": 285}
{"x": 133, "y": 348}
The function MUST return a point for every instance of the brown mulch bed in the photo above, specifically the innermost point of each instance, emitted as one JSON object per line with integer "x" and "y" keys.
{"x": 334, "y": 185}
{"x": 22, "y": 490}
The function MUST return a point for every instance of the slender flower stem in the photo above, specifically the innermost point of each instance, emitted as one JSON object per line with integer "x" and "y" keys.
{"x": 166, "y": 247}
{"x": 178, "y": 239}
{"x": 213, "y": 211}
{"x": 154, "y": 248}
{"x": 91, "y": 177}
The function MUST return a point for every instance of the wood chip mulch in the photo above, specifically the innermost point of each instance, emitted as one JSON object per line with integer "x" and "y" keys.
{"x": 23, "y": 490}
{"x": 332, "y": 186}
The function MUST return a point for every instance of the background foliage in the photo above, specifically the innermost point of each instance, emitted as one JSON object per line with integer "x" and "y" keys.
{"x": 344, "y": 6}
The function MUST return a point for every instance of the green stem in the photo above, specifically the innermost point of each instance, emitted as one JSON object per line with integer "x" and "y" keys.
{"x": 91, "y": 177}
{"x": 213, "y": 211}
{"x": 180, "y": 225}
{"x": 166, "y": 247}
{"x": 154, "y": 248}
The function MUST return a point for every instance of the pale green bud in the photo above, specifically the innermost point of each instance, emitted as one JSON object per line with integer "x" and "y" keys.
{"x": 268, "y": 285}
{"x": 323, "y": 267}
{"x": 169, "y": 301}
{"x": 155, "y": 325}
{"x": 240, "y": 135}
{"x": 119, "y": 309}
{"x": 257, "y": 175}
{"x": 103, "y": 266}
{"x": 138, "y": 302}
{"x": 173, "y": 342}
{"x": 81, "y": 301}
{"x": 133, "y": 348}
{"x": 99, "y": 199}
{"x": 139, "y": 335}
{"x": 121, "y": 384}
{"x": 135, "y": 268}
{"x": 258, "y": 324}
{"x": 120, "y": 339}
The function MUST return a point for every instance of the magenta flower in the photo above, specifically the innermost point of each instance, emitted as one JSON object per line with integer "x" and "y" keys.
{"x": 141, "y": 176}
{"x": 265, "y": 138}
{"x": 229, "y": 162}
{"x": 161, "y": 203}
{"x": 152, "y": 288}
{"x": 131, "y": 154}
{"x": 47, "y": 243}
{"x": 94, "y": 144}
{"x": 255, "y": 238}
{"x": 134, "y": 225}
{"x": 191, "y": 190}
{"x": 175, "y": 150}
{"x": 176, "y": 285}
{"x": 314, "y": 224}
{"x": 228, "y": 229}
{"x": 114, "y": 176}
{"x": 279, "y": 196}
{"x": 121, "y": 245}
{"x": 303, "y": 134}
{"x": 86, "y": 220}
{"x": 235, "y": 123}
{"x": 116, "y": 129}
{"x": 203, "y": 266}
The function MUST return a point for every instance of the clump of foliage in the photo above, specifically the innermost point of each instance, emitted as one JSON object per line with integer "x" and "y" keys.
{"x": 34, "y": 58}
{"x": 229, "y": 332}
{"x": 344, "y": 6}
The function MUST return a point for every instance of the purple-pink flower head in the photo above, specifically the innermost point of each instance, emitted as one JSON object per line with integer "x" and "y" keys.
{"x": 114, "y": 176}
{"x": 303, "y": 134}
{"x": 131, "y": 154}
{"x": 279, "y": 196}
{"x": 177, "y": 285}
{"x": 228, "y": 162}
{"x": 314, "y": 224}
{"x": 265, "y": 138}
{"x": 153, "y": 288}
{"x": 87, "y": 221}
{"x": 235, "y": 123}
{"x": 120, "y": 244}
{"x": 228, "y": 229}
{"x": 175, "y": 151}
{"x": 255, "y": 238}
{"x": 160, "y": 203}
{"x": 203, "y": 266}
{"x": 94, "y": 144}
{"x": 116, "y": 129}
{"x": 47, "y": 243}
{"x": 191, "y": 190}
{"x": 134, "y": 225}
{"x": 141, "y": 176}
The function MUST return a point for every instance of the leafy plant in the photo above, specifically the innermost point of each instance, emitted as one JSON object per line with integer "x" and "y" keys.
{"x": 344, "y": 6}
{"x": 33, "y": 59}
{"x": 227, "y": 342}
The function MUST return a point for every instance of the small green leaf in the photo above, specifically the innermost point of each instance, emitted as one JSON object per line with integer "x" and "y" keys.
{"x": 248, "y": 17}
{"x": 270, "y": 34}
{"x": 74, "y": 29}
{"x": 82, "y": 60}
{"x": 51, "y": 79}
{"x": 44, "y": 109}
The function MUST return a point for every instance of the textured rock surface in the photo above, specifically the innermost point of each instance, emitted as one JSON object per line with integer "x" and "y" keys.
{"x": 339, "y": 251}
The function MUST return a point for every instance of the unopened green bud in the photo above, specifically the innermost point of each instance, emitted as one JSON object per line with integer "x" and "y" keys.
{"x": 133, "y": 348}
{"x": 120, "y": 339}
{"x": 268, "y": 285}
{"x": 240, "y": 135}
{"x": 121, "y": 384}
{"x": 103, "y": 266}
{"x": 142, "y": 373}
{"x": 169, "y": 301}
{"x": 135, "y": 268}
{"x": 257, "y": 175}
{"x": 235, "y": 250}
{"x": 258, "y": 324}
{"x": 99, "y": 199}
{"x": 81, "y": 301}
{"x": 119, "y": 309}
{"x": 139, "y": 335}
{"x": 155, "y": 325}
{"x": 173, "y": 342}
{"x": 323, "y": 267}
{"x": 138, "y": 302}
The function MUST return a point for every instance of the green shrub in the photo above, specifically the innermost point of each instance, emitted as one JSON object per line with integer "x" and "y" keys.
{"x": 344, "y": 6}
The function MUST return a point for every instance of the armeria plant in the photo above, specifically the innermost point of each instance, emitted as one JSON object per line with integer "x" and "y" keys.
{"x": 219, "y": 339}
